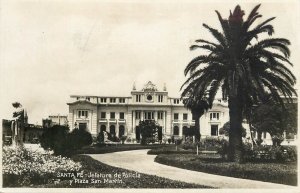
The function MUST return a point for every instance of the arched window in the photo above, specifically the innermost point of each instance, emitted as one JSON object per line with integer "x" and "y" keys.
{"x": 121, "y": 130}
{"x": 185, "y": 130}
{"x": 112, "y": 129}
{"x": 176, "y": 130}
{"x": 102, "y": 128}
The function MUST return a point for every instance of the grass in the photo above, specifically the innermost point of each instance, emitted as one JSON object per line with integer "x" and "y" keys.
{"x": 171, "y": 149}
{"x": 116, "y": 148}
{"x": 143, "y": 181}
{"x": 282, "y": 173}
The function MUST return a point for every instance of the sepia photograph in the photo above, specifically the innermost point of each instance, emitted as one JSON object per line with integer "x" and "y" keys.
{"x": 128, "y": 95}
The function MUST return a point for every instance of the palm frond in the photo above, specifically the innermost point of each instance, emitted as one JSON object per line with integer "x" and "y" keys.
{"x": 218, "y": 35}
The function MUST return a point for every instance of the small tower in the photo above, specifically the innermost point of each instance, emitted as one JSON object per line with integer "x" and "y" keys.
{"x": 165, "y": 87}
{"x": 133, "y": 88}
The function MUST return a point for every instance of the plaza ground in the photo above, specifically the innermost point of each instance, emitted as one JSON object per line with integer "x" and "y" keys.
{"x": 139, "y": 161}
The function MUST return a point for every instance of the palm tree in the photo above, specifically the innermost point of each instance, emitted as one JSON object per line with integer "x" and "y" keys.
{"x": 197, "y": 106}
{"x": 244, "y": 67}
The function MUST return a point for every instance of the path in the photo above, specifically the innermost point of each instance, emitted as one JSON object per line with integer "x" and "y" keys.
{"x": 140, "y": 161}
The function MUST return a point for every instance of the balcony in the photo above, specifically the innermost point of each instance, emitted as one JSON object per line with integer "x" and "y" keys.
{"x": 103, "y": 120}
{"x": 112, "y": 120}
{"x": 192, "y": 122}
{"x": 214, "y": 120}
{"x": 175, "y": 121}
{"x": 82, "y": 117}
{"x": 121, "y": 121}
{"x": 185, "y": 122}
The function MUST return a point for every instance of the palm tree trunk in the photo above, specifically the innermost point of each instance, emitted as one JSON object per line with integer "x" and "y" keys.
{"x": 235, "y": 131}
{"x": 197, "y": 128}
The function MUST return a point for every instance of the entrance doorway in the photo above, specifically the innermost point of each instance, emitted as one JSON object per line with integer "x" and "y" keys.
{"x": 214, "y": 130}
{"x": 121, "y": 130}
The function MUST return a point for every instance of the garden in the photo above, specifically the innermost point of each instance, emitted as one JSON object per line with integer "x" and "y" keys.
{"x": 277, "y": 164}
{"x": 27, "y": 168}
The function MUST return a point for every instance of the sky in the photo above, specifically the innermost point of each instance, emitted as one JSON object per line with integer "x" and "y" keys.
{"x": 50, "y": 50}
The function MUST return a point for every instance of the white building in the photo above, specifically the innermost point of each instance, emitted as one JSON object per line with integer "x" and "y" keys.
{"x": 121, "y": 115}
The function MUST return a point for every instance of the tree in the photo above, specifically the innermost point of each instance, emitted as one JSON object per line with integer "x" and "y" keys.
{"x": 244, "y": 67}
{"x": 226, "y": 127}
{"x": 56, "y": 139}
{"x": 197, "y": 106}
{"x": 79, "y": 138}
{"x": 148, "y": 129}
{"x": 270, "y": 117}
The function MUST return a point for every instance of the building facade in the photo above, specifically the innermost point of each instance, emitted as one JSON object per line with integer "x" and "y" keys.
{"x": 55, "y": 120}
{"x": 121, "y": 115}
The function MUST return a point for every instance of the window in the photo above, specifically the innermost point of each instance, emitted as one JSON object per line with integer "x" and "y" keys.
{"x": 214, "y": 116}
{"x": 121, "y": 115}
{"x": 175, "y": 116}
{"x": 176, "y": 130}
{"x": 214, "y": 130}
{"x": 176, "y": 101}
{"x": 160, "y": 98}
{"x": 112, "y": 100}
{"x": 77, "y": 98}
{"x": 82, "y": 126}
{"x": 121, "y": 130}
{"x": 103, "y": 115}
{"x": 185, "y": 116}
{"x": 185, "y": 130}
{"x": 88, "y": 98}
{"x": 138, "y": 98}
{"x": 265, "y": 135}
{"x": 103, "y": 100}
{"x": 149, "y": 115}
{"x": 160, "y": 115}
{"x": 121, "y": 100}
{"x": 112, "y": 130}
{"x": 82, "y": 114}
{"x": 102, "y": 128}
{"x": 112, "y": 115}
{"x": 137, "y": 115}
{"x": 149, "y": 97}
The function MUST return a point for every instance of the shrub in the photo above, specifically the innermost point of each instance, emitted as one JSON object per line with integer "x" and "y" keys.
{"x": 213, "y": 143}
{"x": 79, "y": 138}
{"x": 172, "y": 139}
{"x": 100, "y": 137}
{"x": 169, "y": 140}
{"x": 123, "y": 139}
{"x": 188, "y": 144}
{"x": 264, "y": 153}
{"x": 223, "y": 148}
{"x": 129, "y": 140}
{"x": 23, "y": 167}
{"x": 58, "y": 139}
{"x": 55, "y": 138}
{"x": 113, "y": 138}
{"x": 178, "y": 141}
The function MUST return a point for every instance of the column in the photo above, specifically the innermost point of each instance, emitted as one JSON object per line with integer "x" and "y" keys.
{"x": 168, "y": 122}
{"x": 155, "y": 116}
{"x": 107, "y": 118}
{"x": 142, "y": 115}
{"x": 164, "y": 122}
{"x": 133, "y": 122}
{"x": 180, "y": 129}
{"x": 117, "y": 126}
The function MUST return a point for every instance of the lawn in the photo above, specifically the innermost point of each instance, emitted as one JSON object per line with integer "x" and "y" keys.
{"x": 132, "y": 180}
{"x": 282, "y": 173}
